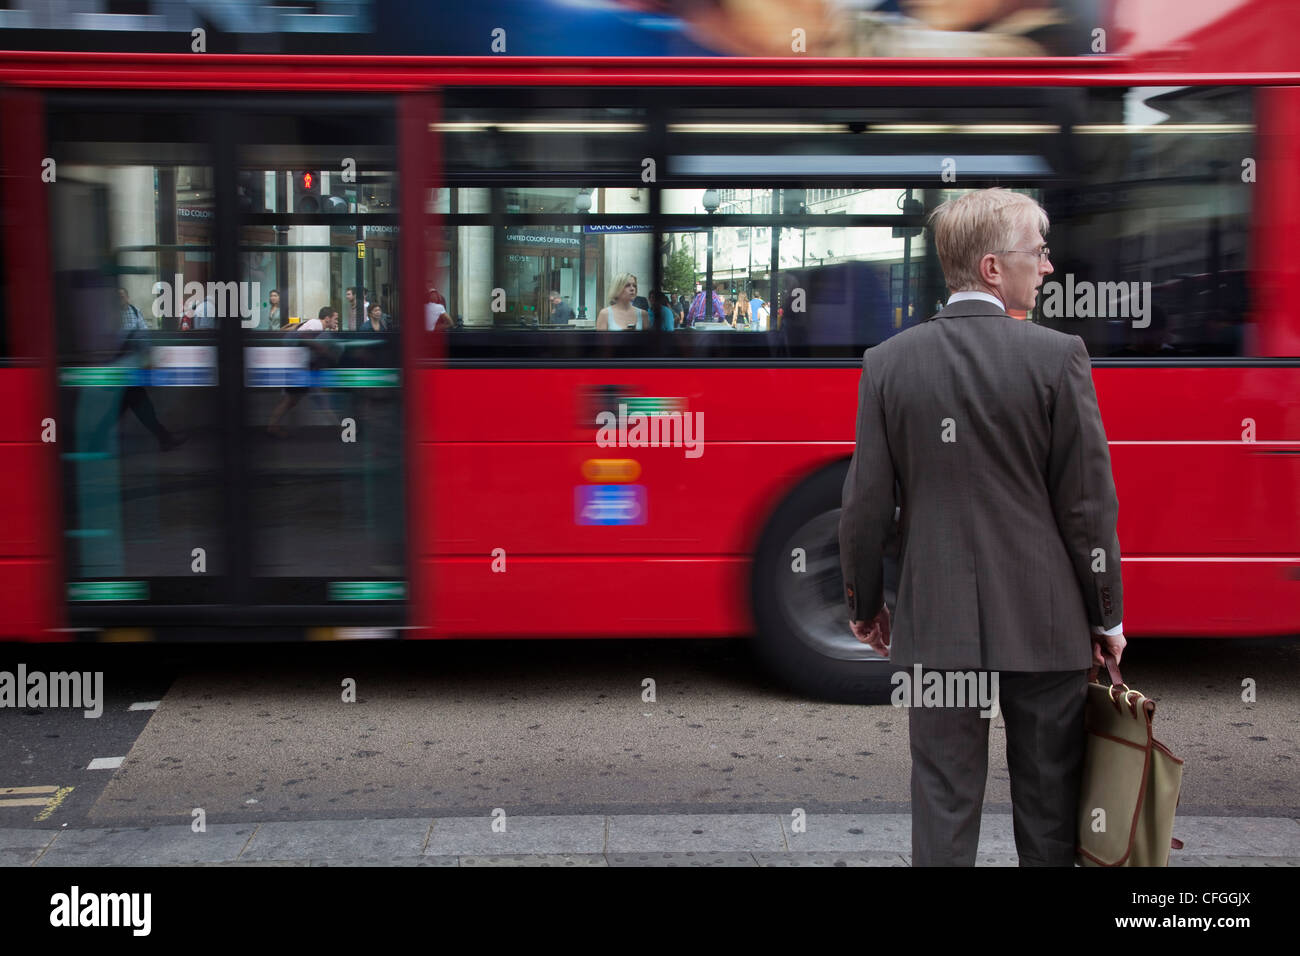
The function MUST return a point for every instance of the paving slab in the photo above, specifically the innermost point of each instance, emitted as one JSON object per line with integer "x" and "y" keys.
{"x": 473, "y": 836}
{"x": 666, "y": 833}
{"x": 1238, "y": 836}
{"x": 148, "y": 846}
{"x": 22, "y": 847}
{"x": 338, "y": 839}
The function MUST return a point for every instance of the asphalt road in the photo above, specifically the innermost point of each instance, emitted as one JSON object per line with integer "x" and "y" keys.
{"x": 262, "y": 733}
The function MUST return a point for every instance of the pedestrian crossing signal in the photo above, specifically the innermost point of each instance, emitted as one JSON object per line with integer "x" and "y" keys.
{"x": 306, "y": 193}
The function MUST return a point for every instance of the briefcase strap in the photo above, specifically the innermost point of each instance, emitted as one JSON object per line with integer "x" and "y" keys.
{"x": 1112, "y": 668}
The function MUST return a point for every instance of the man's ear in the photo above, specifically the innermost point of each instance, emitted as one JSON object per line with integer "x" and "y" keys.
{"x": 988, "y": 267}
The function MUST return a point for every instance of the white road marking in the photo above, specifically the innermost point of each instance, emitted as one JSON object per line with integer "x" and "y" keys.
{"x": 145, "y": 705}
{"x": 106, "y": 763}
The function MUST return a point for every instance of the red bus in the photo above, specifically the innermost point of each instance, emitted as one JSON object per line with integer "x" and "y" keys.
{"x": 518, "y": 445}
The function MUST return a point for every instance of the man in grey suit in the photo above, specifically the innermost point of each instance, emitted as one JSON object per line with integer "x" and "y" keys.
{"x": 990, "y": 427}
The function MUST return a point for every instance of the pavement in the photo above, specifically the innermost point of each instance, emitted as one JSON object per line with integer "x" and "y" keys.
{"x": 739, "y": 839}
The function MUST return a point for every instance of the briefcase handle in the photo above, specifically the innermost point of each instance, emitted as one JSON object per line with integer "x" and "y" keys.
{"x": 1112, "y": 668}
{"x": 1116, "y": 682}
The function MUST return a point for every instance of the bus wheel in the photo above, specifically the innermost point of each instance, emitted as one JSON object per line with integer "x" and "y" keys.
{"x": 802, "y": 622}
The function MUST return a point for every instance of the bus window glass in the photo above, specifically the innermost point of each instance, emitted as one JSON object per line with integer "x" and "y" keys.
{"x": 137, "y": 306}
{"x": 1151, "y": 246}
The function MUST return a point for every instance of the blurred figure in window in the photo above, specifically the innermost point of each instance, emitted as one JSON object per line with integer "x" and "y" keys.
{"x": 356, "y": 313}
{"x": 434, "y": 310}
{"x": 739, "y": 312}
{"x": 273, "y": 310}
{"x": 620, "y": 313}
{"x": 663, "y": 312}
{"x": 134, "y": 353}
{"x": 324, "y": 352}
{"x": 561, "y": 313}
{"x": 717, "y": 309}
{"x": 376, "y": 320}
{"x": 132, "y": 320}
{"x": 755, "y": 303}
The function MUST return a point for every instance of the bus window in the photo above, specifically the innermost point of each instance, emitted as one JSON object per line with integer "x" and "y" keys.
{"x": 1151, "y": 246}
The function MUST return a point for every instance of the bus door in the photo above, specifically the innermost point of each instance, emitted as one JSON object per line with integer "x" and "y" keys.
{"x": 231, "y": 453}
{"x": 322, "y": 372}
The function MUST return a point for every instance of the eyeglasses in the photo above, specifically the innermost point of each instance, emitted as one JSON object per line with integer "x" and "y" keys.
{"x": 1042, "y": 253}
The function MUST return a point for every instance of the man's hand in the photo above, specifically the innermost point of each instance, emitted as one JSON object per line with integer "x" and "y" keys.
{"x": 1114, "y": 644}
{"x": 874, "y": 634}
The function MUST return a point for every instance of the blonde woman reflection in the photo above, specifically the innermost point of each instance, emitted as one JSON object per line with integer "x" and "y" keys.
{"x": 620, "y": 313}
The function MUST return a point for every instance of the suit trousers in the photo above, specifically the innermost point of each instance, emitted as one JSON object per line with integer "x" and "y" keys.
{"x": 1044, "y": 714}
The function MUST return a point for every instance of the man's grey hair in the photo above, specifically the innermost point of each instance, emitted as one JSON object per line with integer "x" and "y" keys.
{"x": 971, "y": 226}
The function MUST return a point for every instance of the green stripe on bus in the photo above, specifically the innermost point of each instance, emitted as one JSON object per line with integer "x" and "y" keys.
{"x": 653, "y": 405}
{"x": 360, "y": 377}
{"x": 367, "y": 590}
{"x": 108, "y": 376}
{"x": 108, "y": 591}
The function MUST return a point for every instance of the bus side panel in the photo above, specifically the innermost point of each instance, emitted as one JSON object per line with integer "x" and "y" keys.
{"x": 592, "y": 596}
{"x": 513, "y": 443}
{"x": 1206, "y": 462}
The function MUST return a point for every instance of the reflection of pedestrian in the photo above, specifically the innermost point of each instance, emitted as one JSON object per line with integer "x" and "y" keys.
{"x": 273, "y": 310}
{"x": 717, "y": 309}
{"x": 323, "y": 352}
{"x": 621, "y": 313}
{"x": 662, "y": 311}
{"x": 434, "y": 310}
{"x": 132, "y": 320}
{"x": 357, "y": 313}
{"x": 561, "y": 311}
{"x": 376, "y": 320}
{"x": 135, "y": 347}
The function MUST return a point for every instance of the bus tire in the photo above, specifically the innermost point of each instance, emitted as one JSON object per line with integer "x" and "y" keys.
{"x": 802, "y": 633}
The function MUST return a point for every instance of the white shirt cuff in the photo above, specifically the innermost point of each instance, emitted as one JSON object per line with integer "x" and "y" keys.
{"x": 1117, "y": 629}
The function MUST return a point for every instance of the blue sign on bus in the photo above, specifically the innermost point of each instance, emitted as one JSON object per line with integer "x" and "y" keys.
{"x": 609, "y": 504}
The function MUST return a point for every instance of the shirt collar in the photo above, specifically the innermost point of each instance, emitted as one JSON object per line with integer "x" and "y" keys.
{"x": 984, "y": 296}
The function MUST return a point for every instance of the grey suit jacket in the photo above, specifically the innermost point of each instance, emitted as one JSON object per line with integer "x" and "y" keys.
{"x": 991, "y": 428}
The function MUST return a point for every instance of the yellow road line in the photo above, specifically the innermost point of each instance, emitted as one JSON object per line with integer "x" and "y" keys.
{"x": 47, "y": 797}
{"x": 54, "y": 803}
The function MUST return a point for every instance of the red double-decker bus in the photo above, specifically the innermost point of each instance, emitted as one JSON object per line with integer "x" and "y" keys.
{"x": 532, "y": 434}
